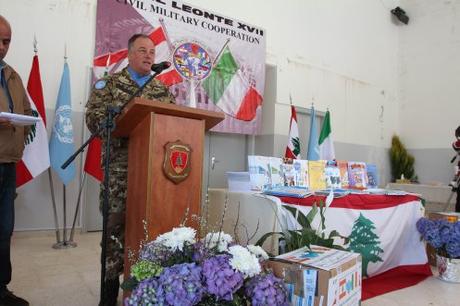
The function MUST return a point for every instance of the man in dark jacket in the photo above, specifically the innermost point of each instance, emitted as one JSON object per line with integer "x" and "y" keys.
{"x": 13, "y": 99}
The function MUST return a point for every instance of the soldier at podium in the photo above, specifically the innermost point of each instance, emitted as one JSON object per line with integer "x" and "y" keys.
{"x": 116, "y": 90}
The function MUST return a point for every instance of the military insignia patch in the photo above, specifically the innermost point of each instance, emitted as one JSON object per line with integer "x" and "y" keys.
{"x": 176, "y": 165}
{"x": 100, "y": 84}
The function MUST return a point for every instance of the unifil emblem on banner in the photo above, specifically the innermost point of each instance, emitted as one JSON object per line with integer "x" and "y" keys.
{"x": 176, "y": 165}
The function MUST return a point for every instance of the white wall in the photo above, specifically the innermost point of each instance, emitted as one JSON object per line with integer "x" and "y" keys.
{"x": 430, "y": 74}
{"x": 429, "y": 80}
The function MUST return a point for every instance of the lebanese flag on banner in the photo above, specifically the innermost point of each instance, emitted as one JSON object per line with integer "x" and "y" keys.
{"x": 116, "y": 61}
{"x": 229, "y": 90}
{"x": 293, "y": 146}
{"x": 36, "y": 158}
{"x": 326, "y": 145}
{"x": 93, "y": 160}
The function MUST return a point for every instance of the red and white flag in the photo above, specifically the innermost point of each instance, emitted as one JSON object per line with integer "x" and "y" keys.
{"x": 293, "y": 146}
{"x": 93, "y": 160}
{"x": 36, "y": 157}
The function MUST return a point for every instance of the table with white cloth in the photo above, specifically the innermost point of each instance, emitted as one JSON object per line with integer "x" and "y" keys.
{"x": 391, "y": 218}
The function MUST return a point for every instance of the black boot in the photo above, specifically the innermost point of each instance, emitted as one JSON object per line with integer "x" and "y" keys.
{"x": 111, "y": 292}
{"x": 7, "y": 298}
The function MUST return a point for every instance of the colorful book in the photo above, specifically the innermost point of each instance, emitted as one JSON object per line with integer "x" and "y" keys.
{"x": 343, "y": 168}
{"x": 275, "y": 171}
{"x": 301, "y": 173}
{"x": 288, "y": 172}
{"x": 289, "y": 191}
{"x": 372, "y": 176}
{"x": 332, "y": 174}
{"x": 357, "y": 175}
{"x": 259, "y": 174}
{"x": 316, "y": 174}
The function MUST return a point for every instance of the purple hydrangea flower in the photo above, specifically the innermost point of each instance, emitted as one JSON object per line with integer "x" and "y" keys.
{"x": 445, "y": 231}
{"x": 432, "y": 236}
{"x": 155, "y": 252}
{"x": 456, "y": 232}
{"x": 145, "y": 294}
{"x": 453, "y": 249}
{"x": 181, "y": 284}
{"x": 220, "y": 278}
{"x": 422, "y": 224}
{"x": 266, "y": 290}
{"x": 200, "y": 252}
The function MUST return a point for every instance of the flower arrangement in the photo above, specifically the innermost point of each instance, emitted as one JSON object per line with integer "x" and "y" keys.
{"x": 442, "y": 235}
{"x": 178, "y": 269}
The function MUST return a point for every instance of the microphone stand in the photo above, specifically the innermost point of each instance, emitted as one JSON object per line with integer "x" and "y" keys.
{"x": 112, "y": 113}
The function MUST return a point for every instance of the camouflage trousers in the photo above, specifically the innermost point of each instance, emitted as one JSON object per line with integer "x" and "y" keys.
{"x": 115, "y": 222}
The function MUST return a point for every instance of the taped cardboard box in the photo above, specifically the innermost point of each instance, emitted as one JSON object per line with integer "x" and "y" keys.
{"x": 449, "y": 216}
{"x": 320, "y": 276}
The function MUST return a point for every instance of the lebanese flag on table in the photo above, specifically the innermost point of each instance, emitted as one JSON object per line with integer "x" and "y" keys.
{"x": 229, "y": 90}
{"x": 36, "y": 158}
{"x": 293, "y": 146}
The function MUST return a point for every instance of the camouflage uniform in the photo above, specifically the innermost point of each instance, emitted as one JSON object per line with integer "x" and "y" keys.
{"x": 116, "y": 90}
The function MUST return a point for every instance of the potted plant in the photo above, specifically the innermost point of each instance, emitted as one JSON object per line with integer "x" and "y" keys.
{"x": 444, "y": 237}
{"x": 306, "y": 234}
{"x": 402, "y": 163}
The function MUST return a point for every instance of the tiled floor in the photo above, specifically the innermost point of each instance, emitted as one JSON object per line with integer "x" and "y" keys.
{"x": 49, "y": 277}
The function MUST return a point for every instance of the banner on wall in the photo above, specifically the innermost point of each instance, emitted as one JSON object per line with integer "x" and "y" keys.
{"x": 217, "y": 61}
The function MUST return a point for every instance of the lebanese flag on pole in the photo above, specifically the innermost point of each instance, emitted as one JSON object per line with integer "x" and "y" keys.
{"x": 93, "y": 160}
{"x": 229, "y": 90}
{"x": 326, "y": 145}
{"x": 293, "y": 146}
{"x": 36, "y": 158}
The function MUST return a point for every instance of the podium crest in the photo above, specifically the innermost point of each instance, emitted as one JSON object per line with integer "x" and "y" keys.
{"x": 176, "y": 165}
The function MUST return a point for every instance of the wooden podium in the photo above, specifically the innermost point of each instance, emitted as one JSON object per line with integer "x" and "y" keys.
{"x": 152, "y": 196}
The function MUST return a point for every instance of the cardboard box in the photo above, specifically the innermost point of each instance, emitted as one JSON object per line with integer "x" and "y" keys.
{"x": 449, "y": 216}
{"x": 320, "y": 276}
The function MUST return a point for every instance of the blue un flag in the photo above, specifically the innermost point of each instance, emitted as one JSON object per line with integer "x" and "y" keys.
{"x": 61, "y": 142}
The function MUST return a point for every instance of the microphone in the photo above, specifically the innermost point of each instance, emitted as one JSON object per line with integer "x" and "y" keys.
{"x": 158, "y": 68}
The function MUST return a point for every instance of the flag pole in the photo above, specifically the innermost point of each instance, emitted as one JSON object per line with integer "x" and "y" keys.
{"x": 65, "y": 244}
{"x": 72, "y": 231}
{"x": 53, "y": 200}
{"x": 56, "y": 224}
{"x": 165, "y": 31}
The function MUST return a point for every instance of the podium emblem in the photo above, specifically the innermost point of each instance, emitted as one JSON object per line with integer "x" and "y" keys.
{"x": 176, "y": 165}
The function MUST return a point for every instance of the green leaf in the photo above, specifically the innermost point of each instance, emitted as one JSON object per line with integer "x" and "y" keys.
{"x": 129, "y": 284}
{"x": 262, "y": 239}
{"x": 300, "y": 217}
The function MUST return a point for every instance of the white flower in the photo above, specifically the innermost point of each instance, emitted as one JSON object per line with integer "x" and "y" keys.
{"x": 176, "y": 238}
{"x": 219, "y": 239}
{"x": 243, "y": 261}
{"x": 257, "y": 251}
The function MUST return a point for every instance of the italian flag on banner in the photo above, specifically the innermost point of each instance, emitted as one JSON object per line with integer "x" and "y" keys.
{"x": 229, "y": 90}
{"x": 36, "y": 157}
{"x": 293, "y": 146}
{"x": 326, "y": 145}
